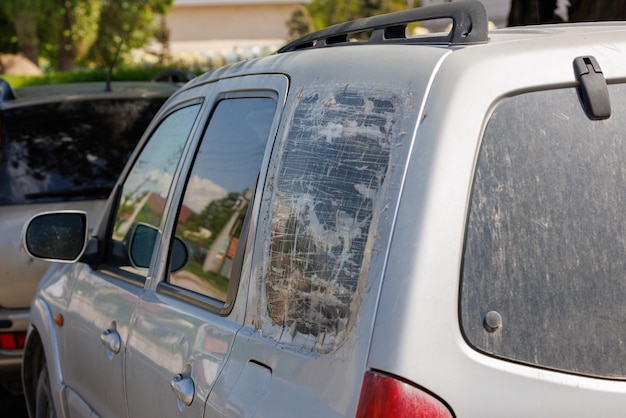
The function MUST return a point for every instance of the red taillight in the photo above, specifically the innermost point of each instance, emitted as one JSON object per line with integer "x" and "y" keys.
{"x": 12, "y": 340}
{"x": 385, "y": 396}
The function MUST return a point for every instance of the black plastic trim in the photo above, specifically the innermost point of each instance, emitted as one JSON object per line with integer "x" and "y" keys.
{"x": 469, "y": 26}
{"x": 592, "y": 89}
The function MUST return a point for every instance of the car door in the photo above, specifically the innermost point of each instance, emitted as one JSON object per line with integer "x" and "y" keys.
{"x": 315, "y": 270}
{"x": 102, "y": 302}
{"x": 187, "y": 319}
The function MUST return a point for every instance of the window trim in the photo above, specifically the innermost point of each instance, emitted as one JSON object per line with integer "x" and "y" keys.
{"x": 104, "y": 233}
{"x": 245, "y": 242}
{"x": 196, "y": 299}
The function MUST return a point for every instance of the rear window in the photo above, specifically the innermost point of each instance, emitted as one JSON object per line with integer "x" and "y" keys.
{"x": 544, "y": 273}
{"x": 71, "y": 150}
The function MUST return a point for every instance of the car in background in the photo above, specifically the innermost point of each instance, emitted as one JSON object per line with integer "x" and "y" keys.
{"x": 368, "y": 223}
{"x": 61, "y": 145}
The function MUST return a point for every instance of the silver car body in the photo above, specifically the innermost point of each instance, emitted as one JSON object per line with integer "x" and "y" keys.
{"x": 19, "y": 273}
{"x": 13, "y": 313}
{"x": 406, "y": 318}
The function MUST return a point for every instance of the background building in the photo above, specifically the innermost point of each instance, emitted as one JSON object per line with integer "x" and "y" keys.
{"x": 210, "y": 33}
{"x": 224, "y": 26}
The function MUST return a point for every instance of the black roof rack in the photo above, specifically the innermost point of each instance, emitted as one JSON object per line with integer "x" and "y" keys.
{"x": 6, "y": 92}
{"x": 469, "y": 26}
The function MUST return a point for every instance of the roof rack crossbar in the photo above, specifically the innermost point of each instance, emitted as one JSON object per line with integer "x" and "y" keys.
{"x": 469, "y": 26}
{"x": 6, "y": 91}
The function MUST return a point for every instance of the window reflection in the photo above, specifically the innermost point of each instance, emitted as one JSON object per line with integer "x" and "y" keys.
{"x": 219, "y": 191}
{"x": 146, "y": 187}
{"x": 70, "y": 150}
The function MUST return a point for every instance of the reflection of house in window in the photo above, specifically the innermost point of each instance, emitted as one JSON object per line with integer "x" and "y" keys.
{"x": 148, "y": 210}
{"x": 212, "y": 237}
{"x": 222, "y": 253}
{"x": 156, "y": 203}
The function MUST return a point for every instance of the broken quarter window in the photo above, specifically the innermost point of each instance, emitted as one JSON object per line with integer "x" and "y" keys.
{"x": 326, "y": 198}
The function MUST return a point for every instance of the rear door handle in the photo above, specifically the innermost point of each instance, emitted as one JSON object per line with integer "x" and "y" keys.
{"x": 111, "y": 340}
{"x": 184, "y": 389}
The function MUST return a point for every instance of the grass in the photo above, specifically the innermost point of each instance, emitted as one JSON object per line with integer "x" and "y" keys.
{"x": 83, "y": 76}
{"x": 219, "y": 282}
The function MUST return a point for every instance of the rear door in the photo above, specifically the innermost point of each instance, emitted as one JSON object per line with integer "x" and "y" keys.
{"x": 186, "y": 321}
{"x": 317, "y": 255}
{"x": 98, "y": 315}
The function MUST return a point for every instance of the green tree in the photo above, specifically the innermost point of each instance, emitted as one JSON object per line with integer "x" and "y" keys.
{"x": 24, "y": 16}
{"x": 75, "y": 25}
{"x": 323, "y": 13}
{"x": 7, "y": 35}
{"x": 67, "y": 32}
{"x": 299, "y": 24}
{"x": 126, "y": 25}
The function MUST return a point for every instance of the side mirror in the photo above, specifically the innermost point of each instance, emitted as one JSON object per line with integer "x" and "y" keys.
{"x": 56, "y": 236}
{"x": 180, "y": 255}
{"x": 141, "y": 240}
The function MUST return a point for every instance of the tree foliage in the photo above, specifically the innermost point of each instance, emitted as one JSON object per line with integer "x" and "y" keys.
{"x": 72, "y": 31}
{"x": 67, "y": 32}
{"x": 23, "y": 14}
{"x": 7, "y": 34}
{"x": 127, "y": 25}
{"x": 322, "y": 13}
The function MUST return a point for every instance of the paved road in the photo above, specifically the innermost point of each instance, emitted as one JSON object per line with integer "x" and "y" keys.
{"x": 12, "y": 406}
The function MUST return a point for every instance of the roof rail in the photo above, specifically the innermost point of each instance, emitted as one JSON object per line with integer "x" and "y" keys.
{"x": 469, "y": 26}
{"x": 7, "y": 92}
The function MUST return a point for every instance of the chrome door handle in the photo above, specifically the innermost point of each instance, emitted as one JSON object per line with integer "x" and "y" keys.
{"x": 184, "y": 389}
{"x": 111, "y": 340}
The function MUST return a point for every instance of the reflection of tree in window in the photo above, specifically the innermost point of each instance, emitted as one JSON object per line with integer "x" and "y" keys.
{"x": 76, "y": 149}
{"x": 212, "y": 237}
{"x": 145, "y": 189}
{"x": 219, "y": 191}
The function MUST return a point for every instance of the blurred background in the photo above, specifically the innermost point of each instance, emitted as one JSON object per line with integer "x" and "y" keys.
{"x": 70, "y": 40}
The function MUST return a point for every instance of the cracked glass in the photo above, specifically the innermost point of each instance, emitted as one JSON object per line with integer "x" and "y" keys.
{"x": 326, "y": 197}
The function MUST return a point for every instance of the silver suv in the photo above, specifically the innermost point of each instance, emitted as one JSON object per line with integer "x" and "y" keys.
{"x": 393, "y": 226}
{"x": 58, "y": 144}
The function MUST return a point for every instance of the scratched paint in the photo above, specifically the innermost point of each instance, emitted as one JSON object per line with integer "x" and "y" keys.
{"x": 334, "y": 163}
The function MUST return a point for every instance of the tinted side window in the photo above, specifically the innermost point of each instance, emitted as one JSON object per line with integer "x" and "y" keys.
{"x": 326, "y": 194}
{"x": 69, "y": 150}
{"x": 546, "y": 240}
{"x": 219, "y": 192}
{"x": 145, "y": 190}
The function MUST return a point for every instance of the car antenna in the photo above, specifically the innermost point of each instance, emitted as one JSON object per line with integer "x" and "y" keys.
{"x": 107, "y": 86}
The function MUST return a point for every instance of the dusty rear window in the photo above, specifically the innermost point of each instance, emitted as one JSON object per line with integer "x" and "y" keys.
{"x": 327, "y": 195}
{"x": 544, "y": 277}
{"x": 70, "y": 150}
